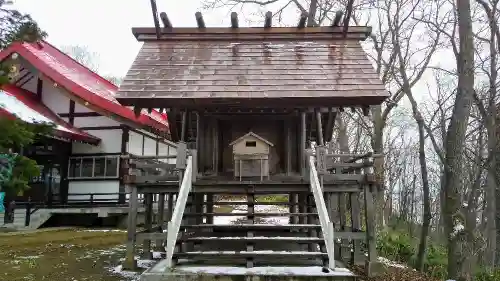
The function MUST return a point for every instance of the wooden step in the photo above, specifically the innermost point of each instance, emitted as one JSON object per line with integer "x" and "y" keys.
{"x": 252, "y": 254}
{"x": 211, "y": 237}
{"x": 256, "y": 239}
{"x": 251, "y": 226}
{"x": 249, "y": 214}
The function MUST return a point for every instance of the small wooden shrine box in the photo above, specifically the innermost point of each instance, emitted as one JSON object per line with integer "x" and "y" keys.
{"x": 251, "y": 156}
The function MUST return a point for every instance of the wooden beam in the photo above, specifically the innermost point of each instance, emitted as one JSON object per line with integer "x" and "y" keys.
{"x": 302, "y": 20}
{"x": 172, "y": 125}
{"x": 366, "y": 110}
{"x": 234, "y": 20}
{"x": 348, "y": 16}
{"x": 137, "y": 111}
{"x": 154, "y": 9}
{"x": 302, "y": 144}
{"x": 215, "y": 148}
{"x": 330, "y": 123}
{"x": 268, "y": 22}
{"x": 199, "y": 20}
{"x": 288, "y": 145}
{"x": 338, "y": 17}
{"x": 319, "y": 128}
{"x": 165, "y": 20}
{"x": 184, "y": 126}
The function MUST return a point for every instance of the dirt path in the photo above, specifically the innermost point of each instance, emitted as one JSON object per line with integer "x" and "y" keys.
{"x": 61, "y": 255}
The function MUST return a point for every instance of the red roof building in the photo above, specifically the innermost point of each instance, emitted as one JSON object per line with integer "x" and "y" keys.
{"x": 92, "y": 129}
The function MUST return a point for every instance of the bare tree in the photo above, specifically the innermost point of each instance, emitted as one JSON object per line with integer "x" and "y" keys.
{"x": 89, "y": 59}
{"x": 487, "y": 105}
{"x": 83, "y": 55}
{"x": 455, "y": 141}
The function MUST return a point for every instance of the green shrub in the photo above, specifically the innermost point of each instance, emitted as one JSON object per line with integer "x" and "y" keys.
{"x": 395, "y": 246}
{"x": 483, "y": 275}
{"x": 436, "y": 261}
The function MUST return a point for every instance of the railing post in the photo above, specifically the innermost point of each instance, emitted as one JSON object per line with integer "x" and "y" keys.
{"x": 192, "y": 152}
{"x": 27, "y": 218}
{"x": 91, "y": 199}
{"x": 321, "y": 164}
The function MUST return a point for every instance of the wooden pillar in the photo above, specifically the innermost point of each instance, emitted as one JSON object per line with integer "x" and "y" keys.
{"x": 288, "y": 147}
{"x": 311, "y": 220}
{"x": 130, "y": 262}
{"x": 357, "y": 254}
{"x": 210, "y": 208}
{"x": 215, "y": 151}
{"x": 170, "y": 206}
{"x": 161, "y": 220}
{"x": 302, "y": 207}
{"x": 200, "y": 142}
{"x": 302, "y": 145}
{"x": 183, "y": 125}
{"x": 319, "y": 127}
{"x": 250, "y": 220}
{"x": 370, "y": 229}
{"x": 148, "y": 223}
{"x": 198, "y": 207}
{"x": 294, "y": 200}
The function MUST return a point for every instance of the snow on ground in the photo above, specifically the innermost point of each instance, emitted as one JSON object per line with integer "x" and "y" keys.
{"x": 391, "y": 263}
{"x": 267, "y": 270}
{"x": 278, "y": 220}
{"x": 102, "y": 230}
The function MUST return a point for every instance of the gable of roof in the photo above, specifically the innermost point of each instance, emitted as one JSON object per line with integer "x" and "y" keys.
{"x": 18, "y": 103}
{"x": 82, "y": 82}
{"x": 251, "y": 134}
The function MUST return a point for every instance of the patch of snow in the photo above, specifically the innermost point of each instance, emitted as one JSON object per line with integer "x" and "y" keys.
{"x": 157, "y": 255}
{"x": 457, "y": 229}
{"x": 145, "y": 263}
{"x": 391, "y": 263}
{"x": 130, "y": 275}
{"x": 29, "y": 257}
{"x": 268, "y": 270}
{"x": 102, "y": 230}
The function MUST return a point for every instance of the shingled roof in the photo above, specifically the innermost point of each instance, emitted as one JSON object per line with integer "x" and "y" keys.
{"x": 203, "y": 66}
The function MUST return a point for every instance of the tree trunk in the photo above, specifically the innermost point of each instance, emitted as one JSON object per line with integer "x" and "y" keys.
{"x": 455, "y": 142}
{"x": 427, "y": 216}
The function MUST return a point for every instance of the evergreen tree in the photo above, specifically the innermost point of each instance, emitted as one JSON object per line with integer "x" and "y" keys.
{"x": 17, "y": 170}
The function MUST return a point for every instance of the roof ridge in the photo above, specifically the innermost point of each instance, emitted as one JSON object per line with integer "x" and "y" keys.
{"x": 93, "y": 73}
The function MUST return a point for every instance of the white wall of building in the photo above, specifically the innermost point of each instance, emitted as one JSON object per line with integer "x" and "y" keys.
{"x": 111, "y": 141}
{"x": 135, "y": 146}
{"x": 93, "y": 187}
{"x": 93, "y": 121}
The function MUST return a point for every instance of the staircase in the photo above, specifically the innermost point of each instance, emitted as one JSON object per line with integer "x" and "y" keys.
{"x": 38, "y": 217}
{"x": 251, "y": 244}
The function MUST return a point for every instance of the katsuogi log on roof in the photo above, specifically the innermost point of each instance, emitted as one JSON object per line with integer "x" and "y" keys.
{"x": 299, "y": 66}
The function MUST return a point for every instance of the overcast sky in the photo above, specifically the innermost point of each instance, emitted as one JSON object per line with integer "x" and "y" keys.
{"x": 104, "y": 26}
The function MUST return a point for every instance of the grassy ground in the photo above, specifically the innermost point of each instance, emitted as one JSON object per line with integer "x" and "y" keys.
{"x": 60, "y": 255}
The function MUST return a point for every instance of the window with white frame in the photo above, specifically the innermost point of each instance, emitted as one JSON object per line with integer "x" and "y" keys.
{"x": 93, "y": 167}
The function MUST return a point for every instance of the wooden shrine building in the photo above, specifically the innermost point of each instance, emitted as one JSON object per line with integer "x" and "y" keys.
{"x": 267, "y": 96}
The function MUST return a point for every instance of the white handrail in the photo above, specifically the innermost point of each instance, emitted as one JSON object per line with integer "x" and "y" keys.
{"x": 180, "y": 205}
{"x": 324, "y": 219}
